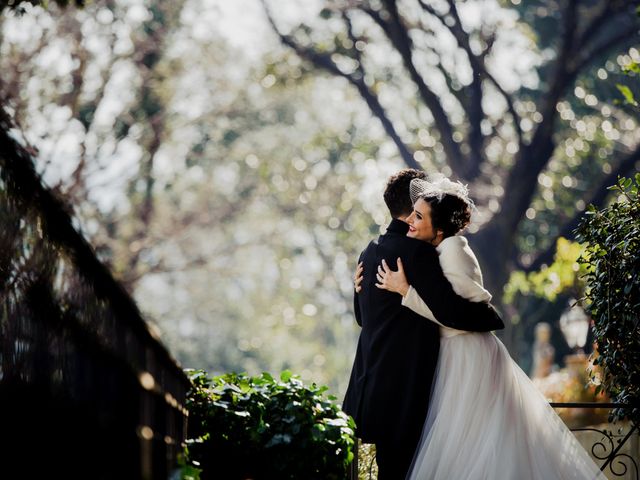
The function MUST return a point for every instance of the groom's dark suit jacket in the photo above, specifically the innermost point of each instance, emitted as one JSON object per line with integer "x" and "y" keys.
{"x": 397, "y": 354}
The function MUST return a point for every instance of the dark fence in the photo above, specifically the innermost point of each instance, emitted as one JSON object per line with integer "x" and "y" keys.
{"x": 86, "y": 390}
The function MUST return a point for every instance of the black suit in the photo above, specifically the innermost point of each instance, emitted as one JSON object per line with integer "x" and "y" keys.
{"x": 390, "y": 384}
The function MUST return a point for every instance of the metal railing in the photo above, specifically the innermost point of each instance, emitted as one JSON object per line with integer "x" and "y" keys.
{"x": 86, "y": 389}
{"x": 609, "y": 445}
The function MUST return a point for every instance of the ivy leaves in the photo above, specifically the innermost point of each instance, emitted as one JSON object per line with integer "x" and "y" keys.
{"x": 612, "y": 261}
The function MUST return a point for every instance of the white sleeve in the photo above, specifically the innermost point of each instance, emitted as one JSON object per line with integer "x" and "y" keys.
{"x": 460, "y": 266}
{"x": 413, "y": 301}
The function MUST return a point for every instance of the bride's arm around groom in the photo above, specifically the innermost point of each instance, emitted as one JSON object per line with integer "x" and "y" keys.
{"x": 424, "y": 273}
{"x": 460, "y": 267}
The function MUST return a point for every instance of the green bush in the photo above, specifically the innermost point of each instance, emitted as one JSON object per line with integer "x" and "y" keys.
{"x": 612, "y": 238}
{"x": 244, "y": 427}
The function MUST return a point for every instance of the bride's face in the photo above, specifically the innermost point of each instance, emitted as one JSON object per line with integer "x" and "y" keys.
{"x": 420, "y": 226}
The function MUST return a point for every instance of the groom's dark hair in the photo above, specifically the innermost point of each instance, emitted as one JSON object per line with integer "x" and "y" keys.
{"x": 396, "y": 195}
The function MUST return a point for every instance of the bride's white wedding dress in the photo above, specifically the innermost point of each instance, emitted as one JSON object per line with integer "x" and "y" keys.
{"x": 487, "y": 420}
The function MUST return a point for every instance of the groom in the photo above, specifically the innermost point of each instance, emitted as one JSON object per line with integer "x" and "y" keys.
{"x": 390, "y": 384}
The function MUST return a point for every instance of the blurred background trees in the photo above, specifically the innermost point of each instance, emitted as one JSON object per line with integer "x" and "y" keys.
{"x": 230, "y": 175}
{"x": 512, "y": 97}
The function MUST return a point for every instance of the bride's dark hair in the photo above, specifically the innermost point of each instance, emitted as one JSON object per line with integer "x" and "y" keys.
{"x": 451, "y": 214}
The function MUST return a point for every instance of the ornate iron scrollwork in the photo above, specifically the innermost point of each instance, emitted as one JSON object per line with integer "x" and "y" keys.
{"x": 608, "y": 447}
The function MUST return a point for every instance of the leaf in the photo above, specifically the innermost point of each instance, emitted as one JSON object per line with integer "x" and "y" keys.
{"x": 305, "y": 431}
{"x": 245, "y": 385}
{"x": 633, "y": 67}
{"x": 243, "y": 414}
{"x": 278, "y": 439}
{"x": 627, "y": 94}
{"x": 336, "y": 422}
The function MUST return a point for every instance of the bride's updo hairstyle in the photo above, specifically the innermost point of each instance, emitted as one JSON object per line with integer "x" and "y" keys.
{"x": 450, "y": 214}
{"x": 449, "y": 201}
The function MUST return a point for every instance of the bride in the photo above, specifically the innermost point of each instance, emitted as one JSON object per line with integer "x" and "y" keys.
{"x": 486, "y": 420}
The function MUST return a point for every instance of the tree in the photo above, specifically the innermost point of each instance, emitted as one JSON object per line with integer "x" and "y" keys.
{"x": 95, "y": 56}
{"x": 242, "y": 258}
{"x": 440, "y": 61}
{"x": 231, "y": 194}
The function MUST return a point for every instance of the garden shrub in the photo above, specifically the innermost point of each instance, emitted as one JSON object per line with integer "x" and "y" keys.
{"x": 612, "y": 258}
{"x": 243, "y": 427}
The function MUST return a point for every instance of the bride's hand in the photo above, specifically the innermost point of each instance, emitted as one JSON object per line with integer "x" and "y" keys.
{"x": 392, "y": 281}
{"x": 358, "y": 278}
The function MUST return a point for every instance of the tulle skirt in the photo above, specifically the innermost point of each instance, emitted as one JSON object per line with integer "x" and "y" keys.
{"x": 487, "y": 421}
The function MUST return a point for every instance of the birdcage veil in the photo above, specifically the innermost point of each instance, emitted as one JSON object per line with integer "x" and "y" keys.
{"x": 437, "y": 186}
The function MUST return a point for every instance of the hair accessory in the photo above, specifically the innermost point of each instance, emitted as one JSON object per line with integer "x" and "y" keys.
{"x": 437, "y": 186}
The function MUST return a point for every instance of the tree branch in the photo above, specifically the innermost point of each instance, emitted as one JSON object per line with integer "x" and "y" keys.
{"x": 78, "y": 187}
{"x": 479, "y": 72}
{"x": 474, "y": 110}
{"x": 596, "y": 23}
{"x": 561, "y": 73}
{"x": 354, "y": 39}
{"x": 399, "y": 38}
{"x": 510, "y": 107}
{"x": 612, "y": 12}
{"x": 597, "y": 198}
{"x": 565, "y": 72}
{"x": 521, "y": 183}
{"x": 588, "y": 56}
{"x": 324, "y": 61}
{"x": 454, "y": 88}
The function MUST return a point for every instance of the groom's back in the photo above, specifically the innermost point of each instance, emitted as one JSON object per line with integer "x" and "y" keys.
{"x": 397, "y": 350}
{"x": 381, "y": 311}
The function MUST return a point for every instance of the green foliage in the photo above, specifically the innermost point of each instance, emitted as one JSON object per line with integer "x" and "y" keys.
{"x": 612, "y": 259}
{"x": 632, "y": 70}
{"x": 627, "y": 94}
{"x": 185, "y": 470}
{"x": 563, "y": 275}
{"x": 261, "y": 427}
{"x": 268, "y": 177}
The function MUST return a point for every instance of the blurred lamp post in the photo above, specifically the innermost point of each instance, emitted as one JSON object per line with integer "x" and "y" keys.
{"x": 574, "y": 324}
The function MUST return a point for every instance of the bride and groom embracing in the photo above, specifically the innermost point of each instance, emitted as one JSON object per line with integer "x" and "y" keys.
{"x": 431, "y": 386}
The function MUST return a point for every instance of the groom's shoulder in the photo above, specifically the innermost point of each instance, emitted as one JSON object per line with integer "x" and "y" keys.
{"x": 414, "y": 245}
{"x": 408, "y": 247}
{"x": 369, "y": 249}
{"x": 417, "y": 254}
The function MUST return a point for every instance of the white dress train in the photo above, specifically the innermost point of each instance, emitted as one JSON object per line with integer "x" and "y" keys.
{"x": 487, "y": 420}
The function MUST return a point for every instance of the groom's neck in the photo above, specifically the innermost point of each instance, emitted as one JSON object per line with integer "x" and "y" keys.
{"x": 403, "y": 218}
